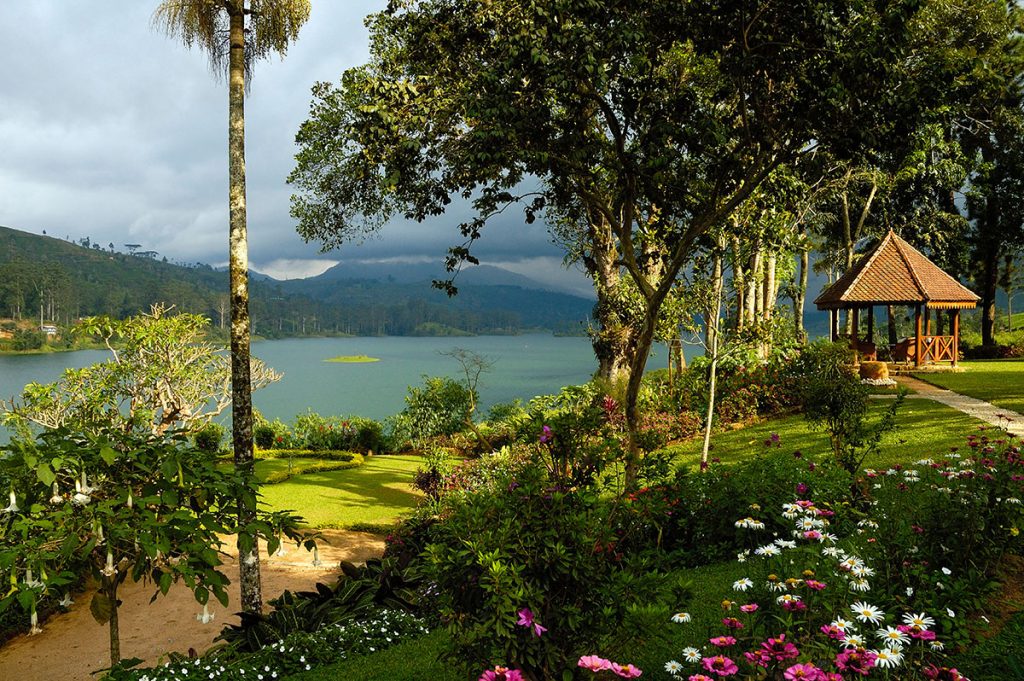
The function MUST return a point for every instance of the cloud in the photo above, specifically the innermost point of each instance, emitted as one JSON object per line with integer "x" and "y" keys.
{"x": 112, "y": 130}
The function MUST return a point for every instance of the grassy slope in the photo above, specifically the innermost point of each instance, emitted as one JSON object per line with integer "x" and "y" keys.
{"x": 377, "y": 492}
{"x": 925, "y": 428}
{"x": 1000, "y": 382}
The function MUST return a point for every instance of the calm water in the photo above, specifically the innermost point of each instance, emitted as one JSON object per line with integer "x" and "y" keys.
{"x": 524, "y": 366}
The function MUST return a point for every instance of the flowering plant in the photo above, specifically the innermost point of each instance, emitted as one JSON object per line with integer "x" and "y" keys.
{"x": 803, "y": 612}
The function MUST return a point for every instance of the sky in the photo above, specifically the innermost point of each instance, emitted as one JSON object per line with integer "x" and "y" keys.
{"x": 113, "y": 131}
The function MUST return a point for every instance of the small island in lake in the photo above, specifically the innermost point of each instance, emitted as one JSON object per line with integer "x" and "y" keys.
{"x": 352, "y": 359}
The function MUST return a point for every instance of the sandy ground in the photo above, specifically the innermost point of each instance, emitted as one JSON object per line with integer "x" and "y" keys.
{"x": 73, "y": 645}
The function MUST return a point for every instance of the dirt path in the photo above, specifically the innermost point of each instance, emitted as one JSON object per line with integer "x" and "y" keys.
{"x": 72, "y": 644}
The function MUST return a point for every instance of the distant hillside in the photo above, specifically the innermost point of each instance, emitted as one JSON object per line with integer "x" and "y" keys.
{"x": 60, "y": 281}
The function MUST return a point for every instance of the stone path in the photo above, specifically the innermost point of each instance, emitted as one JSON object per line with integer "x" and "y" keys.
{"x": 1010, "y": 421}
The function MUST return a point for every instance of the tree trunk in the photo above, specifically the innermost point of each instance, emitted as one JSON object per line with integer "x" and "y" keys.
{"x": 112, "y": 624}
{"x": 713, "y": 323}
{"x": 738, "y": 281}
{"x": 613, "y": 342}
{"x": 800, "y": 297}
{"x": 893, "y": 336}
{"x": 238, "y": 273}
{"x": 989, "y": 284}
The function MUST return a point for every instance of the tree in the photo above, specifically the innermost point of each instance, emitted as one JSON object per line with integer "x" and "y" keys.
{"x": 643, "y": 123}
{"x": 120, "y": 505}
{"x": 162, "y": 376}
{"x": 237, "y": 33}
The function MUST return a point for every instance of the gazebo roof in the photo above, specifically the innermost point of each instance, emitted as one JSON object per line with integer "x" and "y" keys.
{"x": 896, "y": 273}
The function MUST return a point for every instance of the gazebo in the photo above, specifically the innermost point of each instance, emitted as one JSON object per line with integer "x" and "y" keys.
{"x": 896, "y": 273}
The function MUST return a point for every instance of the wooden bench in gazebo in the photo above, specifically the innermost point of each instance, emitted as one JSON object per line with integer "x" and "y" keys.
{"x": 896, "y": 273}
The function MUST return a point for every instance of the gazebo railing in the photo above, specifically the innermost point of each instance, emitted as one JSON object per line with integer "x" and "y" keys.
{"x": 937, "y": 348}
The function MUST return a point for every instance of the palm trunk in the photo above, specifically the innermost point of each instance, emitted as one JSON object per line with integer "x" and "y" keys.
{"x": 241, "y": 388}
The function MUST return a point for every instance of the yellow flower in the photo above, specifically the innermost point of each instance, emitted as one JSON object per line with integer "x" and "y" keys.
{"x": 1014, "y": 531}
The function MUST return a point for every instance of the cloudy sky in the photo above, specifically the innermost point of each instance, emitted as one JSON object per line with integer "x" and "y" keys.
{"x": 111, "y": 130}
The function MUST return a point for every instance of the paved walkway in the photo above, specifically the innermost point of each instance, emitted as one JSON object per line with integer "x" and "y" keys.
{"x": 1009, "y": 421}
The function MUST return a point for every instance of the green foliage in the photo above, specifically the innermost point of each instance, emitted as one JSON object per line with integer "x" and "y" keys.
{"x": 835, "y": 399}
{"x": 308, "y": 468}
{"x": 703, "y": 529}
{"x": 438, "y": 407}
{"x": 293, "y": 654}
{"x": 122, "y": 505}
{"x": 357, "y": 594}
{"x": 532, "y": 546}
{"x": 322, "y": 433}
{"x": 209, "y": 438}
{"x": 28, "y": 339}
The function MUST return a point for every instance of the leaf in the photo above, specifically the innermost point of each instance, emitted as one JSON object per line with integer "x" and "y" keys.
{"x": 45, "y": 474}
{"x": 101, "y": 608}
{"x": 108, "y": 455}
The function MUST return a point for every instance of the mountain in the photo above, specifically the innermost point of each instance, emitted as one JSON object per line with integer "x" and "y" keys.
{"x": 60, "y": 281}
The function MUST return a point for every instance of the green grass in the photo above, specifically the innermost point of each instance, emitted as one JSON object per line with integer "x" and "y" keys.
{"x": 1000, "y": 382}
{"x": 925, "y": 428}
{"x": 352, "y": 359}
{"x": 415, "y": 660}
{"x": 377, "y": 492}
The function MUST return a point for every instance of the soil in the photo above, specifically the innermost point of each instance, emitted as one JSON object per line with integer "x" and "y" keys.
{"x": 72, "y": 645}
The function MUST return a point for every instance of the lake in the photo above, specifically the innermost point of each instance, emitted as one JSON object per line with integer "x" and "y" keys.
{"x": 524, "y": 366}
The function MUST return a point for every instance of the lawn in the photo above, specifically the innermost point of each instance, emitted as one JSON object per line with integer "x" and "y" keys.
{"x": 999, "y": 381}
{"x": 925, "y": 428}
{"x": 377, "y": 492}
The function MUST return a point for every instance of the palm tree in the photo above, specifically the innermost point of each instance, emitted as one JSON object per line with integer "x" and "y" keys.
{"x": 236, "y": 33}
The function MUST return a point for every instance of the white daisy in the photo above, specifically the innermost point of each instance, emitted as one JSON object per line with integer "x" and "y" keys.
{"x": 854, "y": 641}
{"x": 860, "y": 585}
{"x": 842, "y": 625}
{"x": 861, "y": 571}
{"x": 785, "y": 543}
{"x": 893, "y": 636}
{"x": 768, "y": 550}
{"x": 936, "y": 645}
{"x": 787, "y": 598}
{"x": 673, "y": 667}
{"x": 831, "y": 551}
{"x": 681, "y": 617}
{"x": 867, "y": 613}
{"x": 691, "y": 654}
{"x": 921, "y": 620}
{"x": 888, "y": 658}
{"x": 742, "y": 584}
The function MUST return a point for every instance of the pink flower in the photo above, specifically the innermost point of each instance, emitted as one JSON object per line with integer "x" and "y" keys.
{"x": 594, "y": 663}
{"x": 794, "y": 606}
{"x": 759, "y": 658}
{"x": 626, "y": 671}
{"x": 732, "y": 622}
{"x": 803, "y": 671}
{"x": 833, "y": 632}
{"x": 500, "y": 673}
{"x": 720, "y": 665}
{"x": 526, "y": 620}
{"x": 812, "y": 534}
{"x": 780, "y": 649}
{"x": 801, "y": 488}
{"x": 815, "y": 584}
{"x": 699, "y": 677}
{"x": 722, "y": 641}
{"x": 856, "y": 661}
{"x": 749, "y": 607}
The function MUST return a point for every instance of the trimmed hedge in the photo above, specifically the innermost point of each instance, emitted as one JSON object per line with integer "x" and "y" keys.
{"x": 325, "y": 454}
{"x": 316, "y": 467}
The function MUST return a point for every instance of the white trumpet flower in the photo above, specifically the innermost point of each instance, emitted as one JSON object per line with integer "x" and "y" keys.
{"x": 205, "y": 616}
{"x": 13, "y": 506}
{"x": 316, "y": 557}
{"x": 56, "y": 498}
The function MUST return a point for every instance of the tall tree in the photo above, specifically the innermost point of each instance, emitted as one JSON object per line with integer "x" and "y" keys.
{"x": 236, "y": 34}
{"x": 646, "y": 121}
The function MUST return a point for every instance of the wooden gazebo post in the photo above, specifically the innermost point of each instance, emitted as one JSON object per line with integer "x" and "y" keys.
{"x": 917, "y": 335}
{"x": 956, "y": 336}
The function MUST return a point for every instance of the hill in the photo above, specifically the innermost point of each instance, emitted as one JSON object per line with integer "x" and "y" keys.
{"x": 59, "y": 281}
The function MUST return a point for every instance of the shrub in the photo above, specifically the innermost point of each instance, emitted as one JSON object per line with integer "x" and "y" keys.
{"x": 318, "y": 433}
{"x": 209, "y": 438}
{"x": 533, "y": 552}
{"x": 272, "y": 434}
{"x": 28, "y": 339}
{"x": 439, "y": 407}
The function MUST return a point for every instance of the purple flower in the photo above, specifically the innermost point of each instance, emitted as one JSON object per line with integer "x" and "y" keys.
{"x": 546, "y": 435}
{"x": 526, "y": 620}
{"x": 801, "y": 488}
